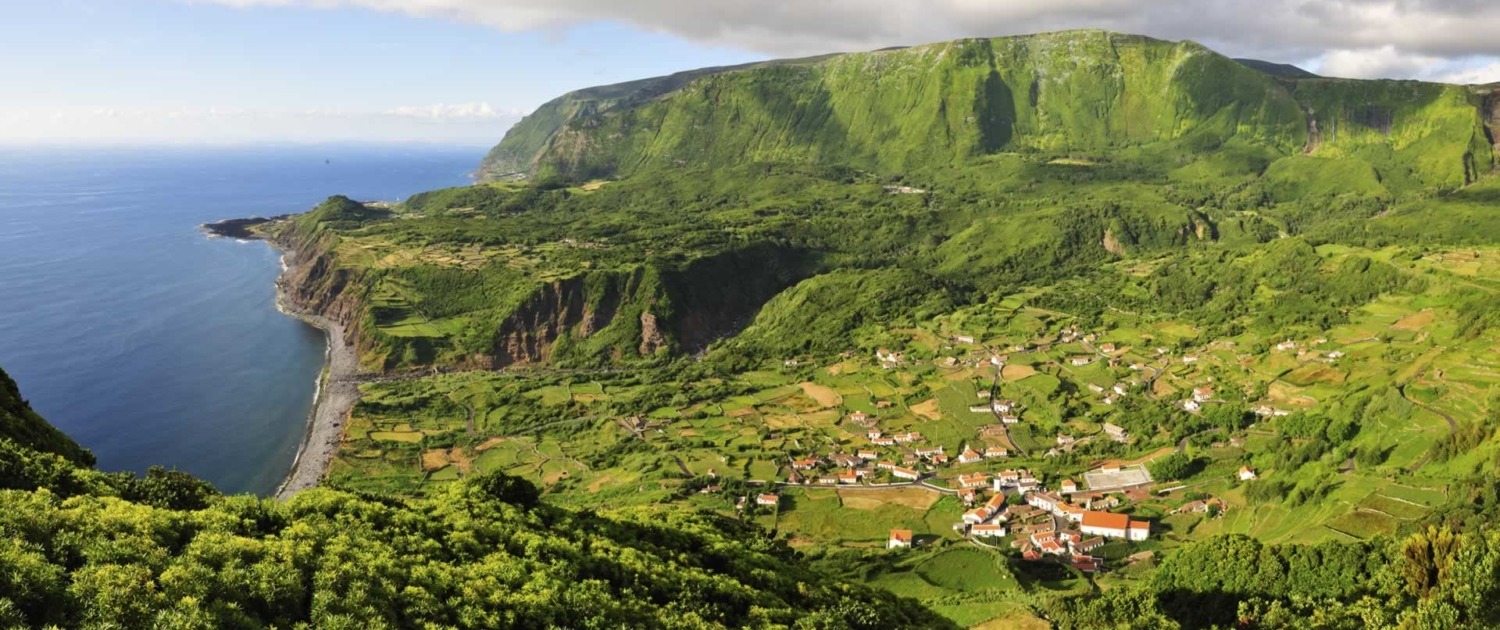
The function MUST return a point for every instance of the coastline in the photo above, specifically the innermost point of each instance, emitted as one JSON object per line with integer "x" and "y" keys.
{"x": 337, "y": 391}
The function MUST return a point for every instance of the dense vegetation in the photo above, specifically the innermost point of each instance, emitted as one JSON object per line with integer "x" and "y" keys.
{"x": 88, "y": 549}
{"x": 693, "y": 279}
{"x": 21, "y": 427}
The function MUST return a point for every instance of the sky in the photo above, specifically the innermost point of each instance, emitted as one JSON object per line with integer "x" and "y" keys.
{"x": 463, "y": 71}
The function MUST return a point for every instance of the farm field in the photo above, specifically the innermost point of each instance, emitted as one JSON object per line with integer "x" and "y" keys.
{"x": 1384, "y": 384}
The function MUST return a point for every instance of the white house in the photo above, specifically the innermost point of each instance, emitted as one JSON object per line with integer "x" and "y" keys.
{"x": 1203, "y": 394}
{"x": 1080, "y": 360}
{"x": 930, "y": 451}
{"x": 769, "y": 500}
{"x": 1115, "y": 432}
{"x": 1246, "y": 473}
{"x": 900, "y": 539}
{"x": 1111, "y": 525}
{"x": 1190, "y": 406}
{"x": 976, "y": 480}
{"x": 978, "y": 515}
{"x": 900, "y": 472}
{"x": 987, "y": 530}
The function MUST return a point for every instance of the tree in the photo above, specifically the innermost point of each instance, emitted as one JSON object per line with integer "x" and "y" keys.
{"x": 510, "y": 489}
{"x": 1173, "y": 466}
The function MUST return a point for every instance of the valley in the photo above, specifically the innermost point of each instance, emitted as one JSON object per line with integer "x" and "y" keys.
{"x": 1074, "y": 329}
{"x": 1247, "y": 324}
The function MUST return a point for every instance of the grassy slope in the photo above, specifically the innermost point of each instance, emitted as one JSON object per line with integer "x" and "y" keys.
{"x": 24, "y": 427}
{"x": 940, "y": 103}
{"x": 169, "y": 552}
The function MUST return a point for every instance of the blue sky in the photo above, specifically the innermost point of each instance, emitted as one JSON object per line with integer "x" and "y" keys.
{"x": 137, "y": 70}
{"x": 464, "y": 70}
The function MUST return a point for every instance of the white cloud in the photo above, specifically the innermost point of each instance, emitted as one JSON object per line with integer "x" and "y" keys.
{"x": 1385, "y": 61}
{"x": 1280, "y": 29}
{"x": 1479, "y": 74}
{"x": 458, "y": 112}
{"x": 476, "y": 123}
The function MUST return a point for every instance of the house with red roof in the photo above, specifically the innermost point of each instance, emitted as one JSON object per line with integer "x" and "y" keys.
{"x": 900, "y": 539}
{"x": 969, "y": 456}
{"x": 1111, "y": 525}
{"x": 967, "y": 495}
{"x": 975, "y": 480}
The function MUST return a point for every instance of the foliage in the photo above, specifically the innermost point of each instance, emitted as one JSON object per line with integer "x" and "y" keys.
{"x": 22, "y": 427}
{"x": 1172, "y": 466}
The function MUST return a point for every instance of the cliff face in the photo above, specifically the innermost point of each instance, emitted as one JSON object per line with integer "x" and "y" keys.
{"x": 21, "y": 425}
{"x": 594, "y": 316}
{"x": 651, "y": 309}
{"x": 1414, "y": 134}
{"x": 315, "y": 283}
{"x": 1080, "y": 91}
{"x": 1491, "y": 111}
{"x": 936, "y": 104}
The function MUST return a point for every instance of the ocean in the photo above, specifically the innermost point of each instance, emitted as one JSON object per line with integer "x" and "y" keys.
{"x": 148, "y": 342}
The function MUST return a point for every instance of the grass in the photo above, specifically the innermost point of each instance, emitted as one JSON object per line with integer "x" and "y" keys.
{"x": 563, "y": 429}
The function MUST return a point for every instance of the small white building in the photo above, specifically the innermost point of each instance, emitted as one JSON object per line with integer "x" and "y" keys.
{"x": 987, "y": 530}
{"x": 1203, "y": 394}
{"x": 1111, "y": 525}
{"x": 1246, "y": 473}
{"x": 900, "y": 539}
{"x": 900, "y": 472}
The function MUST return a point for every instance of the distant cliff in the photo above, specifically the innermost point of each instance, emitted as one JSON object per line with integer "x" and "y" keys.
{"x": 1077, "y": 91}
{"x": 633, "y": 312}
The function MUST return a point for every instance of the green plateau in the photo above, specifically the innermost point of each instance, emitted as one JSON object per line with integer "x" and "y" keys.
{"x": 643, "y": 350}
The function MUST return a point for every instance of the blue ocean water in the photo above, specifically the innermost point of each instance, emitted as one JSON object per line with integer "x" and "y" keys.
{"x": 148, "y": 342}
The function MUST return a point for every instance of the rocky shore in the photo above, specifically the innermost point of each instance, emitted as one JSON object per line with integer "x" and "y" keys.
{"x": 338, "y": 390}
{"x": 238, "y": 228}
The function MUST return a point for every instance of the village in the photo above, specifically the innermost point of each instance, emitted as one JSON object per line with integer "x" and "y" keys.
{"x": 1060, "y": 522}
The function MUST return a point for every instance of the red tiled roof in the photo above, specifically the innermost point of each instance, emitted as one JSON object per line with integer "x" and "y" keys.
{"x": 1106, "y": 519}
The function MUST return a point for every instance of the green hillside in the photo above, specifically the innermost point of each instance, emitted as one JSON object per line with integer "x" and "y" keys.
{"x": 929, "y": 105}
{"x": 1067, "y": 92}
{"x": 670, "y": 290}
{"x": 20, "y": 426}
{"x": 89, "y": 549}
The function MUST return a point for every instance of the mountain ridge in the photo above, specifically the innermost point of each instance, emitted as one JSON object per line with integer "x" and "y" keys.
{"x": 1062, "y": 92}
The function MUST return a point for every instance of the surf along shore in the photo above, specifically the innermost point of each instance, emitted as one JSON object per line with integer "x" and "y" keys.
{"x": 337, "y": 386}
